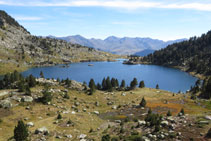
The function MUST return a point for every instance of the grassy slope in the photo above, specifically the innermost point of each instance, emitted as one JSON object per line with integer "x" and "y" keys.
{"x": 84, "y": 121}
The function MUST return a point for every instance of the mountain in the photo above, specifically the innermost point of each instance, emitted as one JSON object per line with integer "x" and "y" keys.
{"x": 117, "y": 45}
{"x": 20, "y": 50}
{"x": 144, "y": 52}
{"x": 193, "y": 55}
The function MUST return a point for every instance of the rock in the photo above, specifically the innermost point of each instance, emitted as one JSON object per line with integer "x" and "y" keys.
{"x": 171, "y": 119}
{"x": 30, "y": 124}
{"x": 141, "y": 122}
{"x": 96, "y": 112}
{"x": 179, "y": 134}
{"x": 58, "y": 137}
{"x": 110, "y": 103}
{"x": 204, "y": 122}
{"x": 84, "y": 110}
{"x": 76, "y": 103}
{"x": 27, "y": 108}
{"x": 114, "y": 107}
{"x": 161, "y": 136}
{"x": 68, "y": 136}
{"x": 118, "y": 121}
{"x": 5, "y": 103}
{"x": 27, "y": 99}
{"x": 73, "y": 112}
{"x": 164, "y": 123}
{"x": 208, "y": 117}
{"x": 82, "y": 136}
{"x": 97, "y": 103}
{"x": 41, "y": 130}
{"x": 18, "y": 99}
{"x": 123, "y": 94}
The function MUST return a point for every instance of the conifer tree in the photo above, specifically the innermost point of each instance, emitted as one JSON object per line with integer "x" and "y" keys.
{"x": 123, "y": 84}
{"x": 141, "y": 84}
{"x": 133, "y": 83}
{"x": 143, "y": 102}
{"x": 21, "y": 131}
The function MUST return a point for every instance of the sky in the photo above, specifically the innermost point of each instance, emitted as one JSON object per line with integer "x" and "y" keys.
{"x": 157, "y": 19}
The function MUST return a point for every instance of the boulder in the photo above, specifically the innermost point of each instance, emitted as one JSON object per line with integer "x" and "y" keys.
{"x": 30, "y": 124}
{"x": 41, "y": 130}
{"x": 141, "y": 122}
{"x": 207, "y": 117}
{"x": 5, "y": 103}
{"x": 164, "y": 123}
{"x": 68, "y": 136}
{"x": 96, "y": 112}
{"x": 27, "y": 99}
{"x": 114, "y": 107}
{"x": 82, "y": 136}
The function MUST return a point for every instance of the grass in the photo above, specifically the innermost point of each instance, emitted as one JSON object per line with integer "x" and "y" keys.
{"x": 84, "y": 121}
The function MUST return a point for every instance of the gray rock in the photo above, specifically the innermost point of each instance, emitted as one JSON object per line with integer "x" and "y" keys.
{"x": 5, "y": 103}
{"x": 114, "y": 107}
{"x": 27, "y": 98}
{"x": 82, "y": 136}
{"x": 207, "y": 117}
{"x": 97, "y": 103}
{"x": 30, "y": 124}
{"x": 68, "y": 136}
{"x": 141, "y": 122}
{"x": 164, "y": 122}
{"x": 204, "y": 122}
{"x": 41, "y": 130}
{"x": 96, "y": 112}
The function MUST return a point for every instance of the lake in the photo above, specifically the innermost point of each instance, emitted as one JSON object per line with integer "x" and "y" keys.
{"x": 169, "y": 79}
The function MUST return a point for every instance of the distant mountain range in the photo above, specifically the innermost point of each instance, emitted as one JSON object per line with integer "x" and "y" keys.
{"x": 126, "y": 45}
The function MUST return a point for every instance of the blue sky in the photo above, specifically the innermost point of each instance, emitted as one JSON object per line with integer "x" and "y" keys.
{"x": 158, "y": 19}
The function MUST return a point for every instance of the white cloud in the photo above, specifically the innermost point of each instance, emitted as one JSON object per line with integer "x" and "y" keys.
{"x": 124, "y": 4}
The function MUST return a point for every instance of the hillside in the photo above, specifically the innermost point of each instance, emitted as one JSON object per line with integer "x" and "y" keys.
{"x": 20, "y": 50}
{"x": 193, "y": 55}
{"x": 117, "y": 45}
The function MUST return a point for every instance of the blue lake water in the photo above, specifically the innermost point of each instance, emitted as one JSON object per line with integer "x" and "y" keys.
{"x": 169, "y": 79}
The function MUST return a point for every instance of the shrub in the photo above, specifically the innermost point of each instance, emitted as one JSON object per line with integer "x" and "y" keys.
{"x": 106, "y": 138}
{"x": 59, "y": 116}
{"x": 143, "y": 102}
{"x": 169, "y": 113}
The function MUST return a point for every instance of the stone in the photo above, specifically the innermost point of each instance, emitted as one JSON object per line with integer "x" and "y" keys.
{"x": 118, "y": 121}
{"x": 165, "y": 122}
{"x": 58, "y": 137}
{"x": 123, "y": 94}
{"x": 96, "y": 112}
{"x": 204, "y": 122}
{"x": 68, "y": 136}
{"x": 27, "y": 99}
{"x": 73, "y": 112}
{"x": 114, "y": 107}
{"x": 30, "y": 124}
{"x": 41, "y": 130}
{"x": 82, "y": 136}
{"x": 141, "y": 122}
{"x": 97, "y": 103}
{"x": 5, "y": 104}
{"x": 207, "y": 117}
{"x": 110, "y": 103}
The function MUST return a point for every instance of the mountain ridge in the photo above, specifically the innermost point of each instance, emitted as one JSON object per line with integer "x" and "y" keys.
{"x": 117, "y": 45}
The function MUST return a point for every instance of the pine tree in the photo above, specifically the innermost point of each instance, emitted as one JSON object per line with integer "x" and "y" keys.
{"x": 157, "y": 86}
{"x": 117, "y": 83}
{"x": 182, "y": 111}
{"x": 169, "y": 113}
{"x": 99, "y": 86}
{"x": 133, "y": 83}
{"x": 31, "y": 81}
{"x": 41, "y": 74}
{"x": 113, "y": 82}
{"x": 143, "y": 102}
{"x": 27, "y": 90}
{"x": 59, "y": 116}
{"x": 47, "y": 97}
{"x": 123, "y": 84}
{"x": 104, "y": 86}
{"x": 141, "y": 84}
{"x": 108, "y": 83}
{"x": 21, "y": 131}
{"x": 92, "y": 86}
